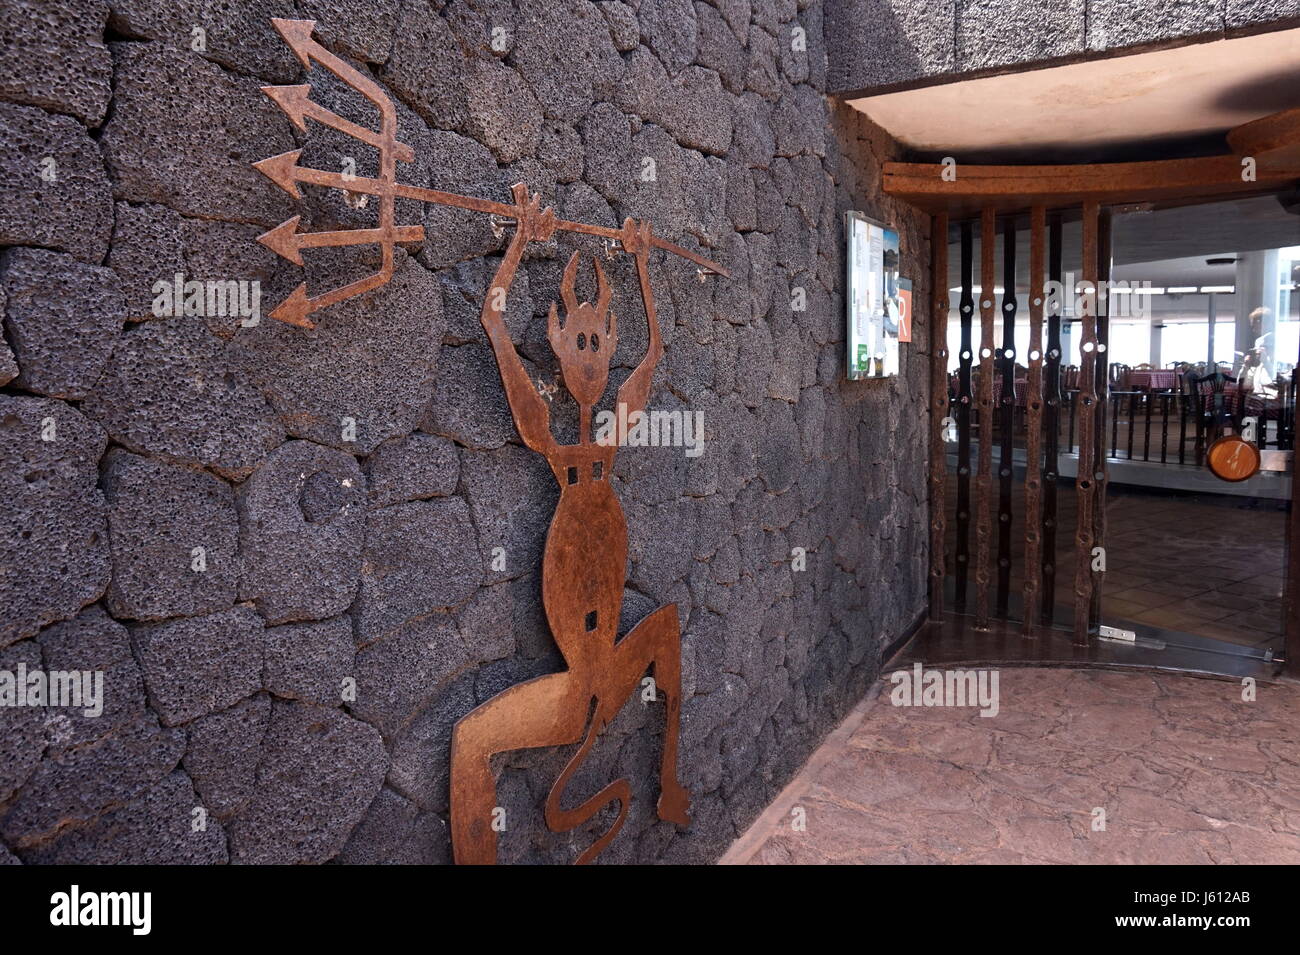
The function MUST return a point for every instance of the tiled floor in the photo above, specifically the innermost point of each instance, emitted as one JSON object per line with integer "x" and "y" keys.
{"x": 1184, "y": 770}
{"x": 1201, "y": 564}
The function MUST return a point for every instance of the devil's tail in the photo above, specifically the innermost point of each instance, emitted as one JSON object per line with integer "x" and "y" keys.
{"x": 562, "y": 820}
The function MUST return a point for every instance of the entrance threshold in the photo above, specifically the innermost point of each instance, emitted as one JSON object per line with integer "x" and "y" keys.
{"x": 953, "y": 640}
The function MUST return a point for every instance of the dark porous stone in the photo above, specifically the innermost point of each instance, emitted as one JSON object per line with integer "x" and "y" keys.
{"x": 669, "y": 30}
{"x": 363, "y": 31}
{"x": 512, "y": 495}
{"x": 199, "y": 665}
{"x": 920, "y": 42}
{"x": 426, "y": 68}
{"x": 412, "y": 468}
{"x": 1119, "y": 23}
{"x": 560, "y": 148}
{"x": 236, "y": 33}
{"x": 992, "y": 33}
{"x": 659, "y": 559}
{"x": 93, "y": 641}
{"x": 720, "y": 50}
{"x": 223, "y": 752}
{"x": 395, "y": 832}
{"x": 165, "y": 825}
{"x": 147, "y": 248}
{"x": 459, "y": 164}
{"x": 158, "y": 515}
{"x": 487, "y": 623}
{"x": 172, "y": 389}
{"x": 320, "y": 772}
{"x": 310, "y": 661}
{"x": 503, "y": 113}
{"x": 216, "y": 125}
{"x": 684, "y": 104}
{"x": 421, "y": 767}
{"x": 419, "y": 557}
{"x": 57, "y": 193}
{"x": 54, "y": 556}
{"x": 469, "y": 403}
{"x": 763, "y": 75}
{"x": 623, "y": 25}
{"x": 8, "y": 367}
{"x": 564, "y": 51}
{"x": 153, "y": 244}
{"x": 754, "y": 143}
{"x": 364, "y": 374}
{"x": 398, "y": 675}
{"x": 1239, "y": 14}
{"x": 55, "y": 57}
{"x": 464, "y": 290}
{"x": 302, "y": 522}
{"x": 22, "y": 728}
{"x": 77, "y": 784}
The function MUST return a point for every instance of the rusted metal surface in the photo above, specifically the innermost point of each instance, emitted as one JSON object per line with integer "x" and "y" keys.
{"x": 585, "y": 554}
{"x": 984, "y": 473}
{"x": 1086, "y": 481}
{"x": 285, "y": 172}
{"x": 1034, "y": 423}
{"x": 966, "y": 313}
{"x": 1006, "y": 413}
{"x": 582, "y": 567}
{"x": 939, "y": 409}
{"x": 1052, "y": 416}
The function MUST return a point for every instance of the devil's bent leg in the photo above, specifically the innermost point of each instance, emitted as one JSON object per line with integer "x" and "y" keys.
{"x": 548, "y": 711}
{"x": 657, "y": 640}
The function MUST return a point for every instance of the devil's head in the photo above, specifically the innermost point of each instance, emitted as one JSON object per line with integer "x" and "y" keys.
{"x": 585, "y": 340}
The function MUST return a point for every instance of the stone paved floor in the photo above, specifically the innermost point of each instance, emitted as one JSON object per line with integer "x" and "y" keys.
{"x": 1185, "y": 770}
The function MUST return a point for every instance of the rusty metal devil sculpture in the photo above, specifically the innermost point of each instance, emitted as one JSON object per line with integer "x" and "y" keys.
{"x": 586, "y": 547}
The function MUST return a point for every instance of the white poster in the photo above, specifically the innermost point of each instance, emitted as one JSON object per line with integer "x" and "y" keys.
{"x": 873, "y": 301}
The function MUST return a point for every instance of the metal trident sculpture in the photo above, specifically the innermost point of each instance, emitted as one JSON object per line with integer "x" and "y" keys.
{"x": 586, "y": 546}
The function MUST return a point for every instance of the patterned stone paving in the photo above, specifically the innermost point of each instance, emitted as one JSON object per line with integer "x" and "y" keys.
{"x": 1186, "y": 771}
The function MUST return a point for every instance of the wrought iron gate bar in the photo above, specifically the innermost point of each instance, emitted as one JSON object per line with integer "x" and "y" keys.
{"x": 1052, "y": 401}
{"x": 964, "y": 399}
{"x": 1086, "y": 483}
{"x": 1101, "y": 479}
{"x": 939, "y": 408}
{"x": 1034, "y": 422}
{"x": 984, "y": 476}
{"x": 1006, "y": 413}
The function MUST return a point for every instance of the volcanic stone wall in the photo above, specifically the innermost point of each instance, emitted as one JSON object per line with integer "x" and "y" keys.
{"x": 873, "y": 43}
{"x": 298, "y": 557}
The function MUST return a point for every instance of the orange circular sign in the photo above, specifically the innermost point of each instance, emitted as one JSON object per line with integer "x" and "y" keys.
{"x": 1232, "y": 459}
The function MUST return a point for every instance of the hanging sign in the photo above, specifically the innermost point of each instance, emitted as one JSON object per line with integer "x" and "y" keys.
{"x": 1231, "y": 458}
{"x": 904, "y": 310}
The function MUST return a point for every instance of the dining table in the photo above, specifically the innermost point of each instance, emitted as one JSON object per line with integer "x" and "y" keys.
{"x": 1153, "y": 379}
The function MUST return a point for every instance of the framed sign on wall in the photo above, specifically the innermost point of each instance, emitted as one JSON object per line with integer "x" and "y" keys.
{"x": 873, "y": 302}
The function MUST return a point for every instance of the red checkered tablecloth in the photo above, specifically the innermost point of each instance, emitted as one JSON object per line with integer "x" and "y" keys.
{"x": 1153, "y": 380}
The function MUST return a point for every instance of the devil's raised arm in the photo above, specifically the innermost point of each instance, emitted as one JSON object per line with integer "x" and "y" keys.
{"x": 635, "y": 391}
{"x": 532, "y": 417}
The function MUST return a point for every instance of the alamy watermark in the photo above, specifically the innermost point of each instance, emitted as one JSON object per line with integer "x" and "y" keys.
{"x": 213, "y": 298}
{"x": 74, "y": 689}
{"x": 921, "y": 687}
{"x": 652, "y": 429}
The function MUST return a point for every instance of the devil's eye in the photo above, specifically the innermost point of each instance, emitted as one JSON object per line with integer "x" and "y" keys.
{"x": 595, "y": 342}
{"x": 582, "y": 341}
